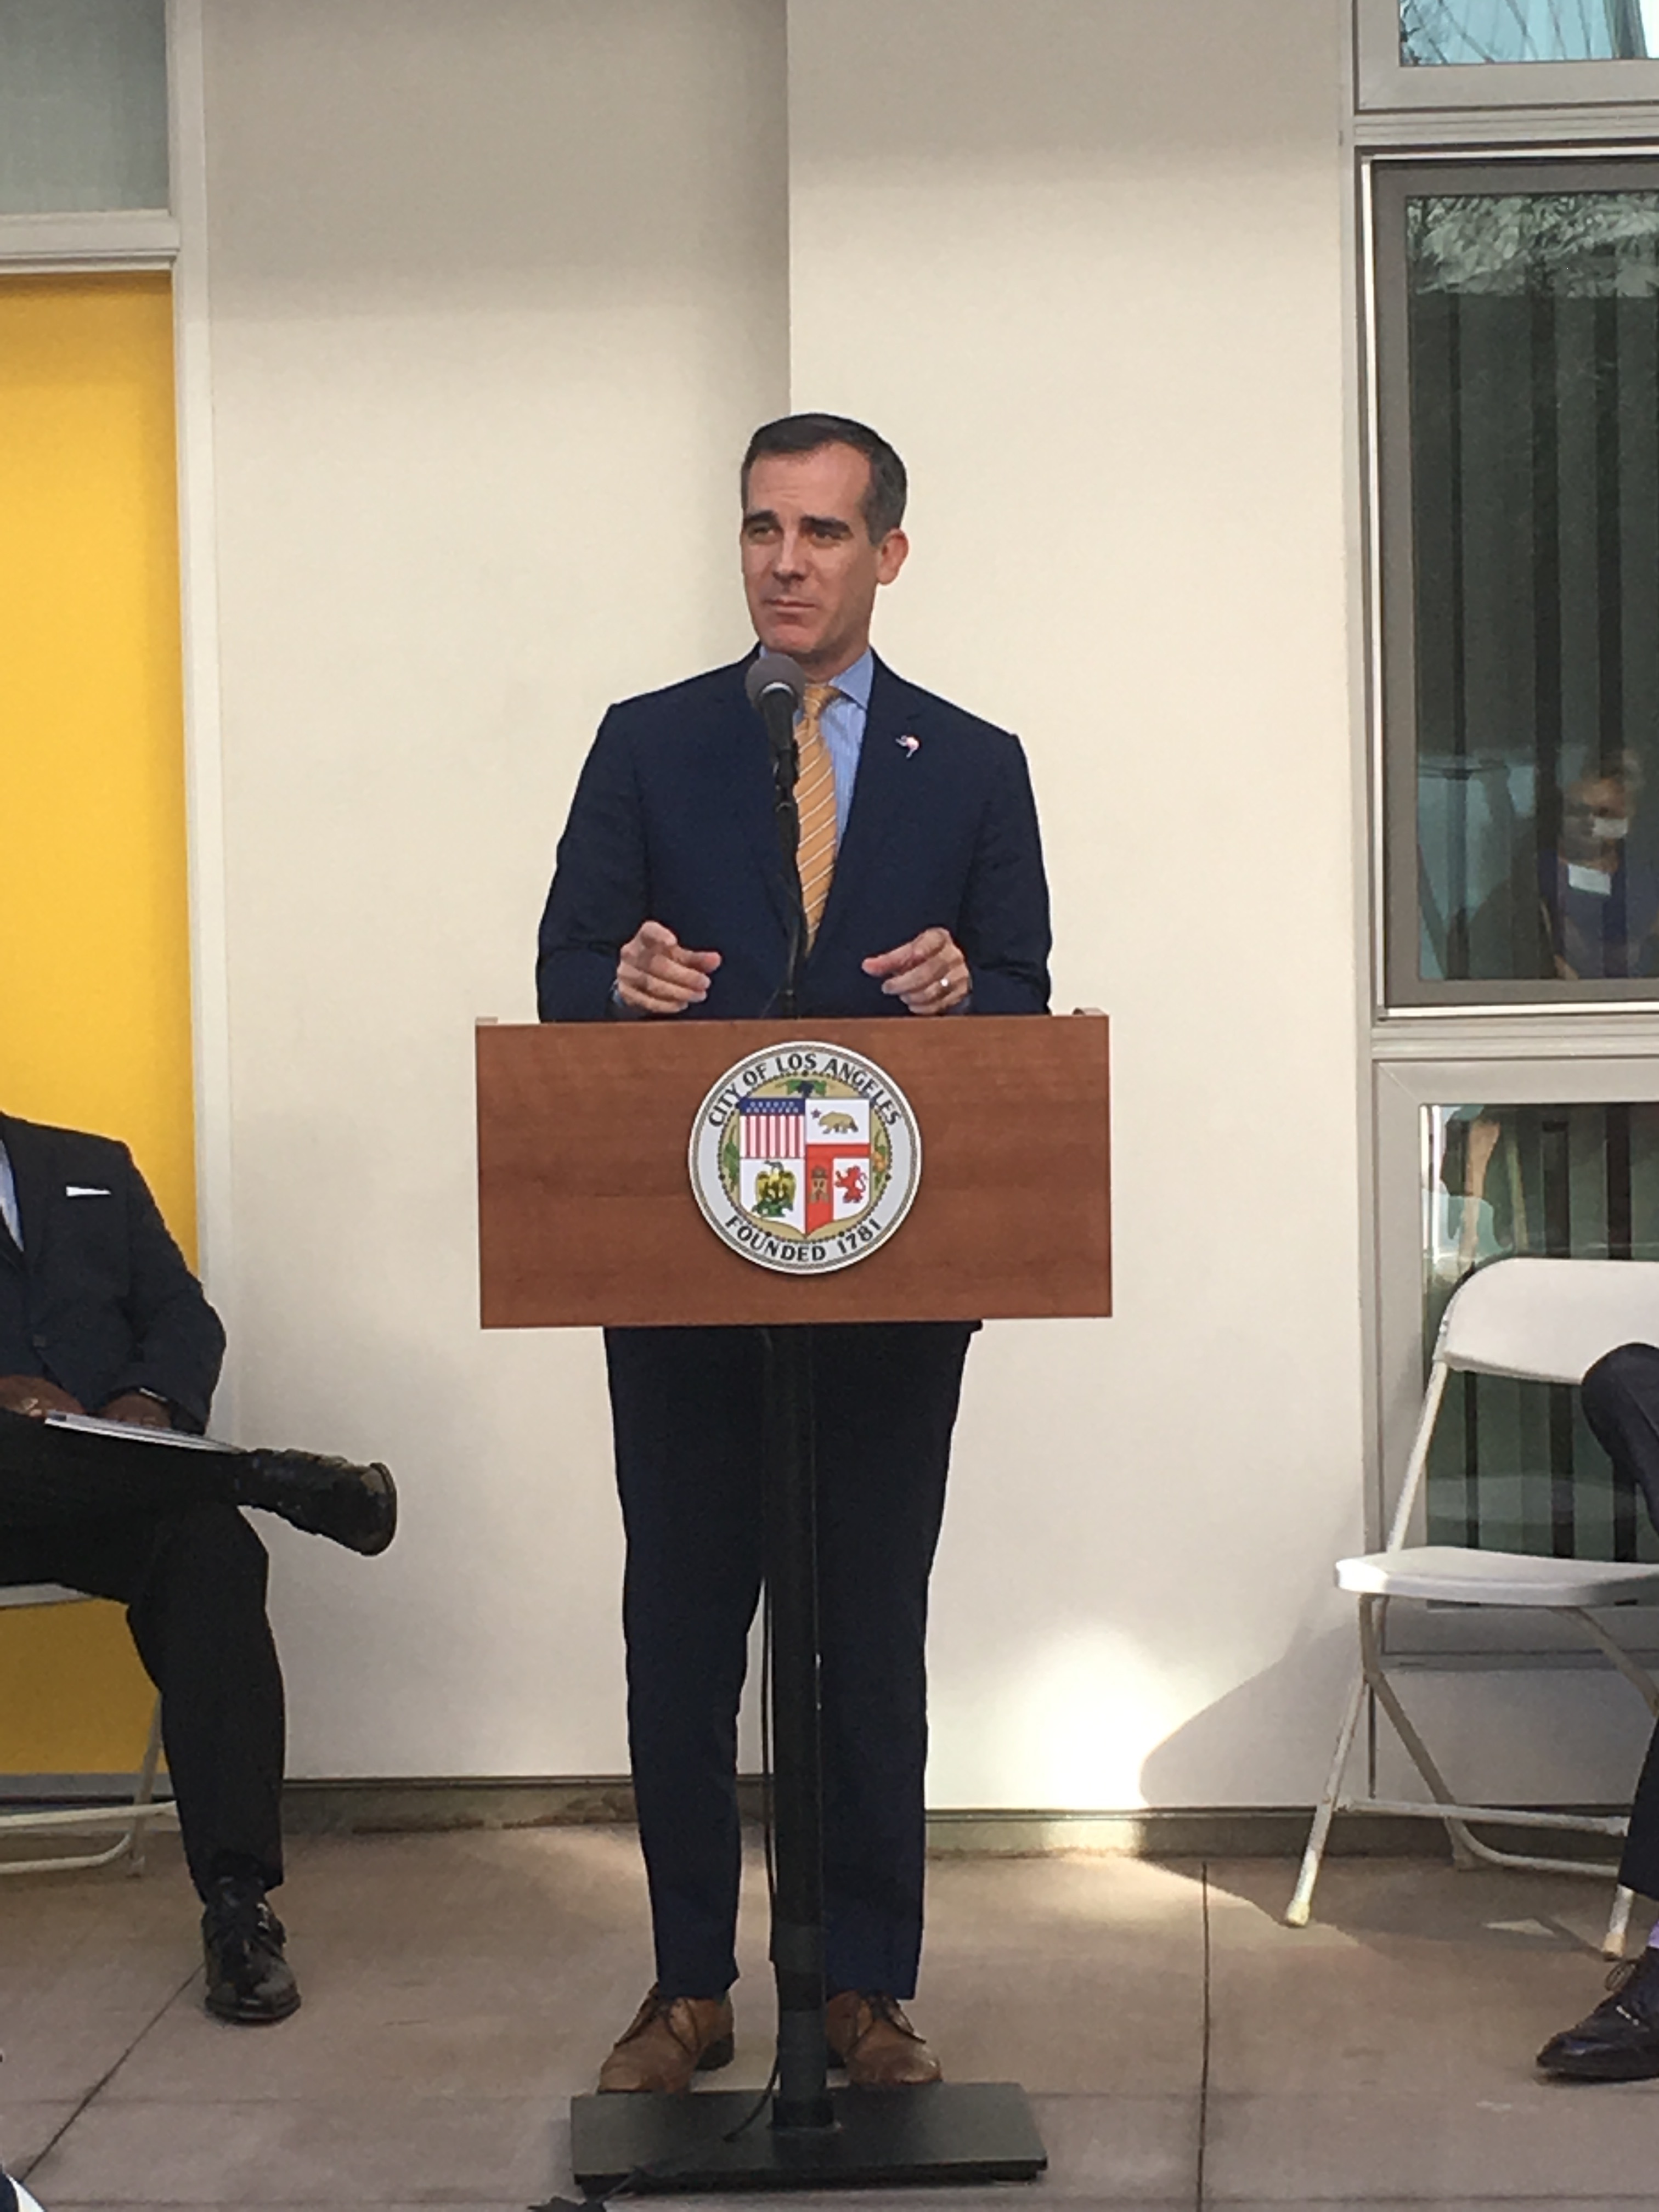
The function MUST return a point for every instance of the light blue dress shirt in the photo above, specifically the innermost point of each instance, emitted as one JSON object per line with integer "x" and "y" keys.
{"x": 9, "y": 1213}
{"x": 843, "y": 731}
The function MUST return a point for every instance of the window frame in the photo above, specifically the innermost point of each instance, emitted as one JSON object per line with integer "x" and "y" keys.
{"x": 1512, "y": 1050}
{"x": 1383, "y": 84}
{"x": 1390, "y": 180}
{"x": 145, "y": 223}
{"x": 1403, "y": 1089}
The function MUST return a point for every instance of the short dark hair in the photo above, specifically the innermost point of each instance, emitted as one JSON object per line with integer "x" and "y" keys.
{"x": 883, "y": 502}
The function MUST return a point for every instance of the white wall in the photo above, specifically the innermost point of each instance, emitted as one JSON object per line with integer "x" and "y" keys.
{"x": 1096, "y": 255}
{"x": 497, "y": 293}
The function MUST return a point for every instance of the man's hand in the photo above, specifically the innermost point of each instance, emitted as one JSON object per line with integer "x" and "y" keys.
{"x": 929, "y": 973}
{"x": 137, "y": 1411}
{"x": 657, "y": 976}
{"x": 33, "y": 1395}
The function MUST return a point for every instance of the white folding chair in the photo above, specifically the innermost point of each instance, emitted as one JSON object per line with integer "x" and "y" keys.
{"x": 132, "y": 1816}
{"x": 1540, "y": 1320}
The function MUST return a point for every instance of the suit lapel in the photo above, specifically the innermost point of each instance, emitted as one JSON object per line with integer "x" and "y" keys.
{"x": 881, "y": 797}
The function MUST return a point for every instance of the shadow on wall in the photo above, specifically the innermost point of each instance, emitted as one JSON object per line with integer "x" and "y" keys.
{"x": 1389, "y": 1905}
{"x": 1384, "y": 1903}
{"x": 1276, "y": 1726}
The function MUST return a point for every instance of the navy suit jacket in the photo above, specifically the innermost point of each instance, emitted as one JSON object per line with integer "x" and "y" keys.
{"x": 672, "y": 821}
{"x": 100, "y": 1300}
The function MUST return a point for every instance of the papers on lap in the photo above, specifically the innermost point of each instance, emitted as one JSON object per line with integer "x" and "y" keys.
{"x": 130, "y": 1433}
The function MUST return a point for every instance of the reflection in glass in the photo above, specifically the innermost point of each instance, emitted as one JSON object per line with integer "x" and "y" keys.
{"x": 83, "y": 105}
{"x": 1513, "y": 1466}
{"x": 1533, "y": 364}
{"x": 1454, "y": 31}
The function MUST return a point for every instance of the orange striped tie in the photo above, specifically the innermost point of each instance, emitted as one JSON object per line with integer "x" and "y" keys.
{"x": 815, "y": 797}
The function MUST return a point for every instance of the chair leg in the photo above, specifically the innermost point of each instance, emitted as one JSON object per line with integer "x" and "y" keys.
{"x": 138, "y": 1833}
{"x": 1300, "y": 1907}
{"x": 1637, "y": 1676}
{"x": 1613, "y": 1943}
{"x": 1466, "y": 1852}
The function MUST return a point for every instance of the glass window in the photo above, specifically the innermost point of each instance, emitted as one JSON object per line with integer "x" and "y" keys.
{"x": 1513, "y": 1466}
{"x": 1519, "y": 364}
{"x": 83, "y": 105}
{"x": 1450, "y": 32}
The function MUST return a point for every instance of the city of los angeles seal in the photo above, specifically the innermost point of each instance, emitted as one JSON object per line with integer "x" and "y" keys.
{"x": 805, "y": 1158}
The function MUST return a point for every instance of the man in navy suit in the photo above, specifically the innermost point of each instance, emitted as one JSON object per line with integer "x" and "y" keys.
{"x": 925, "y": 898}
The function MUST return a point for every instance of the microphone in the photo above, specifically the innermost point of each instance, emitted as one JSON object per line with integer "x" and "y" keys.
{"x": 777, "y": 687}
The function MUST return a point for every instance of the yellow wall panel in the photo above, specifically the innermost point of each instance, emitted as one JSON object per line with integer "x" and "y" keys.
{"x": 94, "y": 963}
{"x": 73, "y": 1698}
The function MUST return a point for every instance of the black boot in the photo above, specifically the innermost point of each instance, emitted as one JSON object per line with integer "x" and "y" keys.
{"x": 1619, "y": 2040}
{"x": 248, "y": 1979}
{"x": 356, "y": 1506}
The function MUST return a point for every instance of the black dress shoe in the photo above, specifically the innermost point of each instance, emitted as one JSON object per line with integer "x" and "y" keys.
{"x": 14, "y": 2197}
{"x": 1619, "y": 2040}
{"x": 248, "y": 1979}
{"x": 356, "y": 1506}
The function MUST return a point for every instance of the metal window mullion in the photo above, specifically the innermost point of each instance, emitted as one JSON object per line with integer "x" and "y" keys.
{"x": 1456, "y": 953}
{"x": 1609, "y": 541}
{"x": 1394, "y": 709}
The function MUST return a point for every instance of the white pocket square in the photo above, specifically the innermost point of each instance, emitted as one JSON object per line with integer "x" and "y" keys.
{"x": 83, "y": 1190}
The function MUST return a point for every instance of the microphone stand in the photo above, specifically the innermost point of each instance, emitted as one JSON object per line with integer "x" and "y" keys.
{"x": 802, "y": 2100}
{"x": 779, "y": 716}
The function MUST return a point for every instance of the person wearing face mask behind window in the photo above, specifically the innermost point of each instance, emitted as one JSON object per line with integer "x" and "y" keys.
{"x": 1600, "y": 908}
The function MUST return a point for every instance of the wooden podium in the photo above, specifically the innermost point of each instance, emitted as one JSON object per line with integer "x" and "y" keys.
{"x": 585, "y": 1208}
{"x": 587, "y": 1216}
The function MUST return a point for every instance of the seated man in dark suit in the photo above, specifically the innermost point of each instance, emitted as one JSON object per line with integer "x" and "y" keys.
{"x": 1618, "y": 2041}
{"x": 100, "y": 1313}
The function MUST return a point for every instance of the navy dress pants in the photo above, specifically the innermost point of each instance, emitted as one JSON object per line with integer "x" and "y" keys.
{"x": 1620, "y": 1397}
{"x": 193, "y": 1582}
{"x": 687, "y": 1407}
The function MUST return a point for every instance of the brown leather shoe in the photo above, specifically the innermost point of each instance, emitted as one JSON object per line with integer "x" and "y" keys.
{"x": 869, "y": 2035}
{"x": 670, "y": 2040}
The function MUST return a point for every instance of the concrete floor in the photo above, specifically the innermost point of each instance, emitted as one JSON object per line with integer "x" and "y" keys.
{"x": 1182, "y": 2048}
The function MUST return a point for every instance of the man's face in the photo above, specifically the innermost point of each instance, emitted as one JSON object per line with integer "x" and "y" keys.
{"x": 1595, "y": 815}
{"x": 810, "y": 571}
